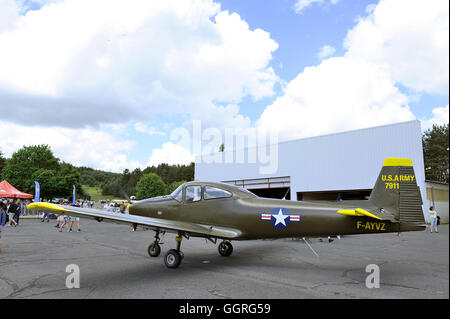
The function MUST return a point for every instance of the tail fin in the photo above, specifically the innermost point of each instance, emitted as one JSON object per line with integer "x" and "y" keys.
{"x": 396, "y": 191}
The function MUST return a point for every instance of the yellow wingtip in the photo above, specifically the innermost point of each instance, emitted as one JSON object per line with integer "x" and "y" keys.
{"x": 392, "y": 161}
{"x": 45, "y": 206}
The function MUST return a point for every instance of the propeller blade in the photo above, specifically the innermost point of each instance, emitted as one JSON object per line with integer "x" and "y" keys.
{"x": 124, "y": 194}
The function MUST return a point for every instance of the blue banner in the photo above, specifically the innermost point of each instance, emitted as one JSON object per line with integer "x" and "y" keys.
{"x": 37, "y": 192}
{"x": 73, "y": 197}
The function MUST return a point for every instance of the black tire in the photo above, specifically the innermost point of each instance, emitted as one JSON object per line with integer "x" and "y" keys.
{"x": 172, "y": 259}
{"x": 225, "y": 248}
{"x": 154, "y": 250}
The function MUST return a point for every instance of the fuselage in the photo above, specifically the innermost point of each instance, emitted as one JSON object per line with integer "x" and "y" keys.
{"x": 257, "y": 218}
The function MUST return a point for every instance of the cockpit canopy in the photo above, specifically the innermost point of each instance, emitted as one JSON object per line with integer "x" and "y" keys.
{"x": 193, "y": 192}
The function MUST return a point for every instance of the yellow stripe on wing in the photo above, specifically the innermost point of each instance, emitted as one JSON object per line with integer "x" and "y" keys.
{"x": 46, "y": 206}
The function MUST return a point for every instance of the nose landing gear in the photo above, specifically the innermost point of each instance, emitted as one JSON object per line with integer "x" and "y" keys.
{"x": 154, "y": 249}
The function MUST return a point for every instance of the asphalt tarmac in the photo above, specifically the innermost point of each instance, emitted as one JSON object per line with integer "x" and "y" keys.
{"x": 113, "y": 263}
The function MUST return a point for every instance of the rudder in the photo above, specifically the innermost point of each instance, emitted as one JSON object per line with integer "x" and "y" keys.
{"x": 396, "y": 191}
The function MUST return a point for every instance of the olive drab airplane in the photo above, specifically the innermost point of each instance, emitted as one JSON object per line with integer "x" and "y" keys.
{"x": 218, "y": 211}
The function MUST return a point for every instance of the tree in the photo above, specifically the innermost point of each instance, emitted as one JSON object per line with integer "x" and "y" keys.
{"x": 37, "y": 163}
{"x": 112, "y": 187}
{"x": 436, "y": 153}
{"x": 173, "y": 186}
{"x": 47, "y": 181}
{"x": 129, "y": 180}
{"x": 66, "y": 176}
{"x": 2, "y": 162}
{"x": 150, "y": 185}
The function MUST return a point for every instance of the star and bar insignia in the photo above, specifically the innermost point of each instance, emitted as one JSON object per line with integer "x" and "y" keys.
{"x": 280, "y": 218}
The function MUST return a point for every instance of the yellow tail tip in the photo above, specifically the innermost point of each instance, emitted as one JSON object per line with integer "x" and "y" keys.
{"x": 391, "y": 161}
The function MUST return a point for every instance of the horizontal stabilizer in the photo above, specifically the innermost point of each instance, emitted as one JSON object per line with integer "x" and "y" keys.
{"x": 358, "y": 212}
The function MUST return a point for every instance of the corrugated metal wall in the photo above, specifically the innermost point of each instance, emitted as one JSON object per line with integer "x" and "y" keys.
{"x": 342, "y": 161}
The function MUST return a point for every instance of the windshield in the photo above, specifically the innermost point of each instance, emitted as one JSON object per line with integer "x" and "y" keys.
{"x": 178, "y": 193}
{"x": 242, "y": 189}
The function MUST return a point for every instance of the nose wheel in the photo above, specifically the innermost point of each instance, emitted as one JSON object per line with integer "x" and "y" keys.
{"x": 154, "y": 249}
{"x": 225, "y": 248}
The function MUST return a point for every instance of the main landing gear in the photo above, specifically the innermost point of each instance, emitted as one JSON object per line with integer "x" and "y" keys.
{"x": 173, "y": 257}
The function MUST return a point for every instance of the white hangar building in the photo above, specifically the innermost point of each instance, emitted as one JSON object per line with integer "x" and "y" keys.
{"x": 344, "y": 164}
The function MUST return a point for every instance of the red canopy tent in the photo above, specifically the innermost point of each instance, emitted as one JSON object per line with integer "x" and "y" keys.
{"x": 9, "y": 191}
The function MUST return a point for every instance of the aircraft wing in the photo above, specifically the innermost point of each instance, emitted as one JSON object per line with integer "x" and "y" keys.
{"x": 154, "y": 223}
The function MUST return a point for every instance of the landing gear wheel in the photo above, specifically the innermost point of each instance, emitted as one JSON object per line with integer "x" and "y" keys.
{"x": 154, "y": 250}
{"x": 225, "y": 248}
{"x": 172, "y": 258}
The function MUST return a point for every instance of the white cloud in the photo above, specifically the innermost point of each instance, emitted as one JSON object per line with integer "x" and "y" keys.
{"x": 300, "y": 5}
{"x": 9, "y": 15}
{"x": 410, "y": 38}
{"x": 142, "y": 128}
{"x": 80, "y": 147}
{"x": 340, "y": 94}
{"x": 221, "y": 117}
{"x": 171, "y": 154}
{"x": 389, "y": 47}
{"x": 440, "y": 117}
{"x": 326, "y": 51}
{"x": 83, "y": 62}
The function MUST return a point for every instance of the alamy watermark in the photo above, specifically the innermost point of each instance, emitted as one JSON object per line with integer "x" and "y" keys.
{"x": 373, "y": 279}
{"x": 247, "y": 145}
{"x": 73, "y": 279}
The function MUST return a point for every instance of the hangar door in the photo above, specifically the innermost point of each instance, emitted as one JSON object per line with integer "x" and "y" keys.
{"x": 272, "y": 187}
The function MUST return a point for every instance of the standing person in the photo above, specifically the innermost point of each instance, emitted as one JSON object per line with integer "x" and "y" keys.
{"x": 11, "y": 212}
{"x": 24, "y": 208}
{"x": 45, "y": 215}
{"x": 66, "y": 221}
{"x": 74, "y": 219}
{"x": 2, "y": 221}
{"x": 18, "y": 211}
{"x": 433, "y": 219}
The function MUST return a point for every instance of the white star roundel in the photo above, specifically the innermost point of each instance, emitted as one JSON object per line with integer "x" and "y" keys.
{"x": 280, "y": 218}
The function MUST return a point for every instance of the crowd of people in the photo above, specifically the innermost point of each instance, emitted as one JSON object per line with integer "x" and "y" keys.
{"x": 12, "y": 209}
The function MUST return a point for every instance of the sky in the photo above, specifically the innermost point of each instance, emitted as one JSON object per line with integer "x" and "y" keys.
{"x": 115, "y": 84}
